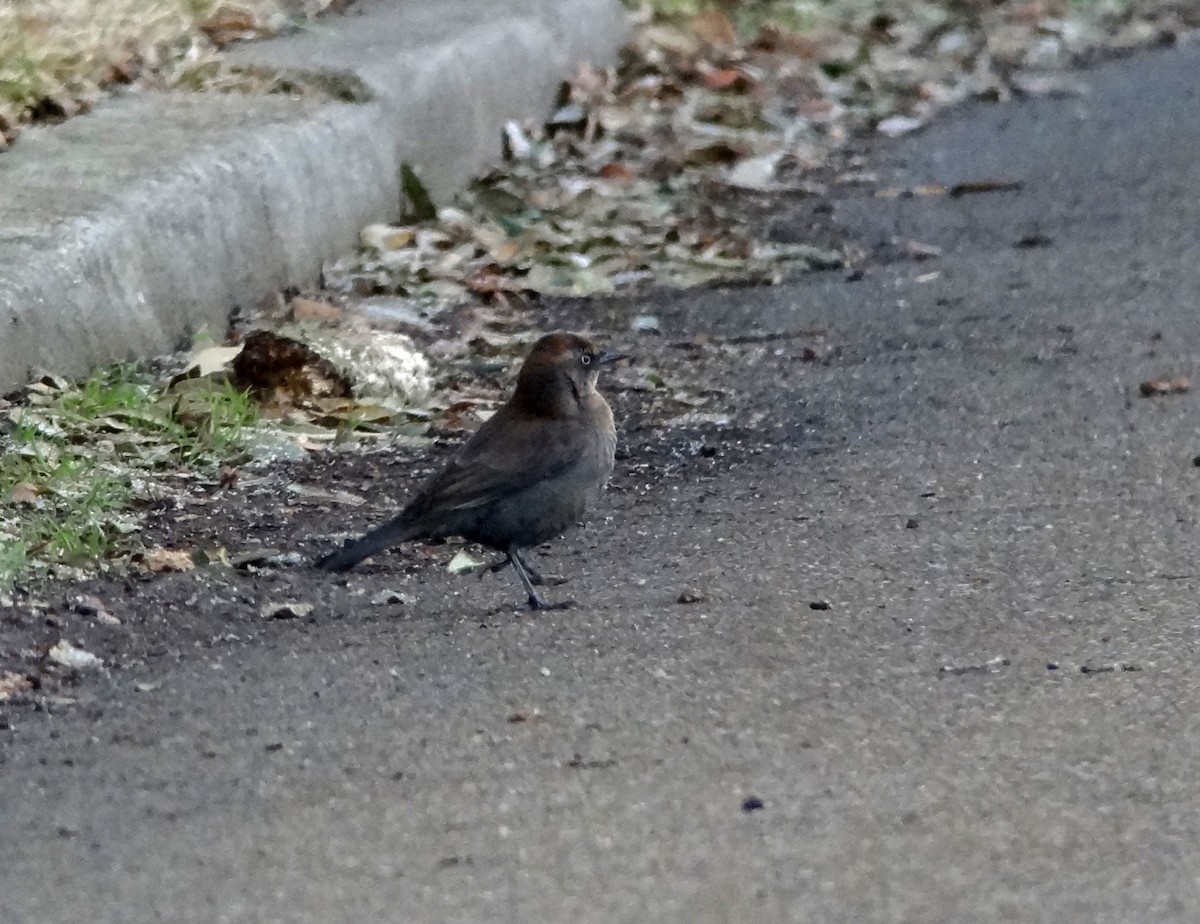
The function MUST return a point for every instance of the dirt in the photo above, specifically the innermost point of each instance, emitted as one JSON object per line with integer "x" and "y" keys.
{"x": 271, "y": 523}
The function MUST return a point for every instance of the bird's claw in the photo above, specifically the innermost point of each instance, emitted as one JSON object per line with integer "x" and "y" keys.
{"x": 537, "y": 603}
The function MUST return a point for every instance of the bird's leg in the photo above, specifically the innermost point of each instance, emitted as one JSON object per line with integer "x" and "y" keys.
{"x": 535, "y": 602}
{"x": 529, "y": 569}
{"x": 503, "y": 563}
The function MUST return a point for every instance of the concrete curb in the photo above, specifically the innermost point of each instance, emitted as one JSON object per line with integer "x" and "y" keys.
{"x": 123, "y": 231}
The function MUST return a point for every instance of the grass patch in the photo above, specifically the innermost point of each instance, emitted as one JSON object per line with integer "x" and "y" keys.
{"x": 57, "y": 57}
{"x": 77, "y": 461}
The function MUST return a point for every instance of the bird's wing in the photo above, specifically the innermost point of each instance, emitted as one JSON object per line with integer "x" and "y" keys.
{"x": 505, "y": 456}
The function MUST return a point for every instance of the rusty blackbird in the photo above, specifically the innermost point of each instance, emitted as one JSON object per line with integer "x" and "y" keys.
{"x": 525, "y": 476}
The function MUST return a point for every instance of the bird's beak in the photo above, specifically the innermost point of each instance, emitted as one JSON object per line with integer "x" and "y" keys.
{"x": 609, "y": 356}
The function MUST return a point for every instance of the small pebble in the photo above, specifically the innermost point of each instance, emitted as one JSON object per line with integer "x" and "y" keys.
{"x": 752, "y": 804}
{"x": 819, "y": 605}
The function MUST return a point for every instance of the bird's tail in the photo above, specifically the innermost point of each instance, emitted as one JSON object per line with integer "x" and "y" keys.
{"x": 377, "y": 540}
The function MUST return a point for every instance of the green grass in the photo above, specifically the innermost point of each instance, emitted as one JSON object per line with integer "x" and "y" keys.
{"x": 86, "y": 454}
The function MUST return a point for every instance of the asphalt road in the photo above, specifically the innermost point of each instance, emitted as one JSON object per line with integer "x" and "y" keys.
{"x": 993, "y": 720}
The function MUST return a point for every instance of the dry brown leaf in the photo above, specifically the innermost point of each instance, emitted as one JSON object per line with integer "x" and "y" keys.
{"x": 505, "y": 252}
{"x": 229, "y": 24}
{"x": 160, "y": 560}
{"x": 616, "y": 172}
{"x": 462, "y": 417}
{"x": 489, "y": 281}
{"x": 1165, "y": 385}
{"x": 12, "y": 683}
{"x": 725, "y": 78}
{"x": 23, "y": 492}
{"x": 306, "y": 309}
{"x": 772, "y": 37}
{"x": 713, "y": 27}
{"x": 349, "y": 409}
{"x": 282, "y": 372}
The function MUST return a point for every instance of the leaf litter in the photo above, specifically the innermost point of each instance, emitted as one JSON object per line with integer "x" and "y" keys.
{"x": 632, "y": 180}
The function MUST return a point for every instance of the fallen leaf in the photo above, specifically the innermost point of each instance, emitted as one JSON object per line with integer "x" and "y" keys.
{"x": 755, "y": 172}
{"x": 287, "y": 610}
{"x": 306, "y": 309}
{"x": 488, "y": 281}
{"x": 463, "y": 563}
{"x": 713, "y": 26}
{"x": 88, "y": 605}
{"x": 68, "y": 655}
{"x": 12, "y": 684}
{"x": 1165, "y": 385}
{"x": 386, "y": 237}
{"x": 724, "y": 78}
{"x": 895, "y": 126}
{"x": 262, "y": 558}
{"x": 168, "y": 560}
{"x": 390, "y": 598}
{"x": 420, "y": 205}
{"x": 920, "y": 251}
{"x": 282, "y": 372}
{"x": 228, "y": 24}
{"x": 617, "y": 172}
{"x": 208, "y": 361}
{"x": 23, "y": 492}
{"x": 983, "y": 186}
{"x": 325, "y": 495}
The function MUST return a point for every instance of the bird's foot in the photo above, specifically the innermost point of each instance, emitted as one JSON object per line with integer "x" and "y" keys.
{"x": 537, "y": 603}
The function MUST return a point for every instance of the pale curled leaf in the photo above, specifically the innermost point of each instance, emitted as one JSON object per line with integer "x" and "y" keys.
{"x": 211, "y": 360}
{"x": 463, "y": 563}
{"x": 68, "y": 655}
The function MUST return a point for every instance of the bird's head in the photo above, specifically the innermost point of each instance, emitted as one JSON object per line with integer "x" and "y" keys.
{"x": 559, "y": 374}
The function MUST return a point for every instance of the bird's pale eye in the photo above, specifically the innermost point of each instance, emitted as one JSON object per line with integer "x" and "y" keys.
{"x": 586, "y": 359}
